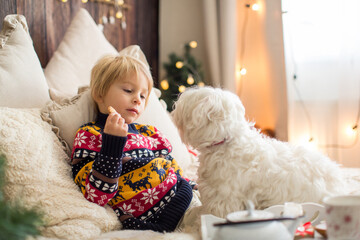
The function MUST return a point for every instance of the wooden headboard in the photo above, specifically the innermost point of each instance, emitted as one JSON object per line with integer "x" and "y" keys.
{"x": 48, "y": 20}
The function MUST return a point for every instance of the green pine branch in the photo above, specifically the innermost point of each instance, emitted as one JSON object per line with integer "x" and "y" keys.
{"x": 16, "y": 222}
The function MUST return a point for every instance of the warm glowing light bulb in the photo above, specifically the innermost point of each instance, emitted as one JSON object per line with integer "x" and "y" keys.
{"x": 243, "y": 71}
{"x": 64, "y": 1}
{"x": 351, "y": 130}
{"x": 302, "y": 139}
{"x": 255, "y": 7}
{"x": 179, "y": 64}
{"x": 193, "y": 44}
{"x": 84, "y": 1}
{"x": 120, "y": 2}
{"x": 190, "y": 80}
{"x": 182, "y": 88}
{"x": 201, "y": 84}
{"x": 118, "y": 14}
{"x": 164, "y": 84}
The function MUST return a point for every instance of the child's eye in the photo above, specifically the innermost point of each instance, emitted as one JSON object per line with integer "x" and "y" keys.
{"x": 127, "y": 90}
{"x": 142, "y": 96}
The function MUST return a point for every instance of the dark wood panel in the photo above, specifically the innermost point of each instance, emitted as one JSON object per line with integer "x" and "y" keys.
{"x": 6, "y": 7}
{"x": 48, "y": 20}
{"x": 36, "y": 19}
{"x": 144, "y": 33}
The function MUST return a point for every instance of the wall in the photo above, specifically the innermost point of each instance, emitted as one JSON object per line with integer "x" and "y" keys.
{"x": 180, "y": 23}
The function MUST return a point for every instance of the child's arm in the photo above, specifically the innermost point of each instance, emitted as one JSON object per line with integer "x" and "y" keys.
{"x": 115, "y": 127}
{"x": 98, "y": 167}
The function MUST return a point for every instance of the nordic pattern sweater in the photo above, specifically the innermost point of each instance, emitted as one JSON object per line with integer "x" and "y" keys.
{"x": 150, "y": 185}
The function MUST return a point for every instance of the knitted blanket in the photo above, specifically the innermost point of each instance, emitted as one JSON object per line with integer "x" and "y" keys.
{"x": 39, "y": 175}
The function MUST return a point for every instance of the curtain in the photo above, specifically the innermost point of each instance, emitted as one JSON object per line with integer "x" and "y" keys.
{"x": 237, "y": 36}
{"x": 322, "y": 54}
{"x": 220, "y": 37}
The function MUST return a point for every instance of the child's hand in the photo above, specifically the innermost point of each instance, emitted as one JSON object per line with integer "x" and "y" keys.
{"x": 115, "y": 124}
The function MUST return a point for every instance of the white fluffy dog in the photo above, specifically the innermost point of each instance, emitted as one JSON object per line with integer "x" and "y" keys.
{"x": 238, "y": 163}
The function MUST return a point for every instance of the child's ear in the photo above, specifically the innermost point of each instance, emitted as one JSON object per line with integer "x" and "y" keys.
{"x": 97, "y": 98}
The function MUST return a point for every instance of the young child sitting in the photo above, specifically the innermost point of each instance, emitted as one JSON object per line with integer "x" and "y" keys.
{"x": 124, "y": 164}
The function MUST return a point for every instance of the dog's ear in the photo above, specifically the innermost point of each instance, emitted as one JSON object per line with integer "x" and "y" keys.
{"x": 222, "y": 106}
{"x": 213, "y": 108}
{"x": 208, "y": 111}
{"x": 216, "y": 108}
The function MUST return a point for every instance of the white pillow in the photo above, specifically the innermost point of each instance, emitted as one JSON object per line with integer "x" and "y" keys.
{"x": 38, "y": 173}
{"x": 68, "y": 116}
{"x": 70, "y": 66}
{"x": 22, "y": 81}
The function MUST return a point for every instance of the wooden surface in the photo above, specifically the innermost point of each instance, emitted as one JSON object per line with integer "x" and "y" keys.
{"x": 48, "y": 20}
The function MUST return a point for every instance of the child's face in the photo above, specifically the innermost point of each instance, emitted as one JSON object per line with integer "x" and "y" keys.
{"x": 127, "y": 97}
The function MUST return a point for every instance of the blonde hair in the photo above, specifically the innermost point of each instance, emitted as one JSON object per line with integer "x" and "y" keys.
{"x": 114, "y": 67}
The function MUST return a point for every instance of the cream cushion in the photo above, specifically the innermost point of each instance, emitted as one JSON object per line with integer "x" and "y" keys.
{"x": 68, "y": 115}
{"x": 20, "y": 69}
{"x": 70, "y": 66}
{"x": 66, "y": 118}
{"x": 38, "y": 173}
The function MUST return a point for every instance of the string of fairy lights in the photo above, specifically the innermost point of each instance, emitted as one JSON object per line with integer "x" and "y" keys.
{"x": 351, "y": 130}
{"x": 241, "y": 71}
{"x": 116, "y": 10}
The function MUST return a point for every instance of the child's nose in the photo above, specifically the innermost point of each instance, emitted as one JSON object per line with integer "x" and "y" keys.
{"x": 137, "y": 99}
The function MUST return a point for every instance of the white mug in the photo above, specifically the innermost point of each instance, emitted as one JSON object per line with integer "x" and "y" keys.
{"x": 343, "y": 217}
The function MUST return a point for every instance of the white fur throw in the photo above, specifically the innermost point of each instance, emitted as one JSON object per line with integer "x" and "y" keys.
{"x": 39, "y": 175}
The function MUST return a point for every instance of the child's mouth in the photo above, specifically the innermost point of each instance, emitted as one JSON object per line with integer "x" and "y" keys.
{"x": 133, "y": 110}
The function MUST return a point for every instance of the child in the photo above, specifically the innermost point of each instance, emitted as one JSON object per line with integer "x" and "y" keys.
{"x": 124, "y": 164}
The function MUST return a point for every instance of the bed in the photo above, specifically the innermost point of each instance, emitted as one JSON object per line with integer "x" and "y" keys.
{"x": 40, "y": 110}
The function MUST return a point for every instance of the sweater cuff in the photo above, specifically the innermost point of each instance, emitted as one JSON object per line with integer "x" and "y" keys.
{"x": 112, "y": 146}
{"x": 108, "y": 162}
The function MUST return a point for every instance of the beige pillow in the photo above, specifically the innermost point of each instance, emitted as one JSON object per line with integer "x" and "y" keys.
{"x": 39, "y": 175}
{"x": 22, "y": 81}
{"x": 68, "y": 116}
{"x": 71, "y": 64}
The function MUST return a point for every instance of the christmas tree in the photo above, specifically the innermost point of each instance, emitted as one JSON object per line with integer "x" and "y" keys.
{"x": 16, "y": 222}
{"x": 181, "y": 72}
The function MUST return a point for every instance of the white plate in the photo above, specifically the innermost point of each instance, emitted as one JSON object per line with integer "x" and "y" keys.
{"x": 243, "y": 216}
{"x": 314, "y": 212}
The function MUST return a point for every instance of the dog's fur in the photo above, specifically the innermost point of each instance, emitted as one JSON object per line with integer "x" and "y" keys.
{"x": 238, "y": 163}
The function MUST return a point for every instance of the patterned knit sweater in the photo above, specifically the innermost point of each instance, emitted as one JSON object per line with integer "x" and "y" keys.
{"x": 150, "y": 185}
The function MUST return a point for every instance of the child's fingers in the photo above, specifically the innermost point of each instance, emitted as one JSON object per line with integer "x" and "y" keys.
{"x": 113, "y": 118}
{"x": 111, "y": 109}
{"x": 115, "y": 124}
{"x": 121, "y": 121}
{"x": 113, "y": 112}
